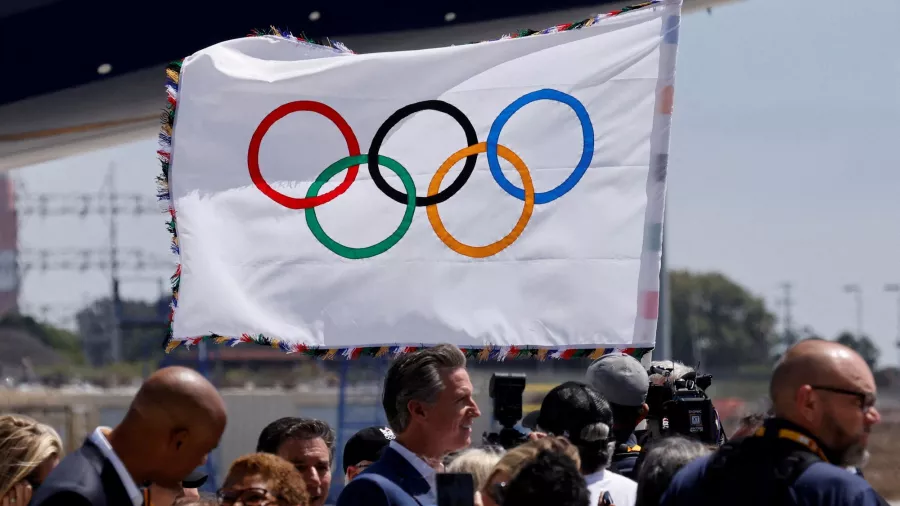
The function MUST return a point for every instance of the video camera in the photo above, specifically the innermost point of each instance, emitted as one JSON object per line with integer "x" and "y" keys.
{"x": 682, "y": 407}
{"x": 506, "y": 392}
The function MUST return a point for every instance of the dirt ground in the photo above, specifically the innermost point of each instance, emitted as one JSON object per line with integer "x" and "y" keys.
{"x": 883, "y": 471}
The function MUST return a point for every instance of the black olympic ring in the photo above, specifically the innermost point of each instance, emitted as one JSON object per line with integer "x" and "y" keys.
{"x": 446, "y": 193}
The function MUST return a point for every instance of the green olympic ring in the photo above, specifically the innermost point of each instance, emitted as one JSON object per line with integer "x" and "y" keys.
{"x": 376, "y": 249}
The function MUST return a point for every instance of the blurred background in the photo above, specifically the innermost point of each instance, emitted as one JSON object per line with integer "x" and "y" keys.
{"x": 782, "y": 219}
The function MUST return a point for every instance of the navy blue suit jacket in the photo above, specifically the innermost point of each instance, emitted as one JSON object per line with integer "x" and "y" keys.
{"x": 83, "y": 478}
{"x": 392, "y": 481}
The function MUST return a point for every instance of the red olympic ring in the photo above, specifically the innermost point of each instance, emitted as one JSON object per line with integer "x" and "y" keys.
{"x": 263, "y": 128}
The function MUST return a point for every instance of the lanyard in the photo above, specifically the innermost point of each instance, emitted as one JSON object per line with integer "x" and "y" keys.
{"x": 798, "y": 438}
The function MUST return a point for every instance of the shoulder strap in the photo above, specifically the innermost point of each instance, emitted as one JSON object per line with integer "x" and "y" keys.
{"x": 795, "y": 465}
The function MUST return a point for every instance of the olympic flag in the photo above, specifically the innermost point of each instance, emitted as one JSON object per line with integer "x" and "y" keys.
{"x": 505, "y": 196}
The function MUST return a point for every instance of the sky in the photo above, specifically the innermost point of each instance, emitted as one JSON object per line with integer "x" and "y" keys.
{"x": 783, "y": 168}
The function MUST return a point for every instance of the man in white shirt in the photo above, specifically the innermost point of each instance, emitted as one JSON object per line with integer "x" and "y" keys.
{"x": 174, "y": 421}
{"x": 429, "y": 405}
{"x": 579, "y": 413}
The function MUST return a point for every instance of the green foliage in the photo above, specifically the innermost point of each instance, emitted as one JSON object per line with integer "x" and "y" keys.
{"x": 718, "y": 322}
{"x": 67, "y": 344}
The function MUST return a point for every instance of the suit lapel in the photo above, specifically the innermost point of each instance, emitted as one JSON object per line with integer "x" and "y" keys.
{"x": 109, "y": 477}
{"x": 407, "y": 477}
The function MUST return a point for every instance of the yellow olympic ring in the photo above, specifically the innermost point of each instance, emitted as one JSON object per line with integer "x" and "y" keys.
{"x": 496, "y": 247}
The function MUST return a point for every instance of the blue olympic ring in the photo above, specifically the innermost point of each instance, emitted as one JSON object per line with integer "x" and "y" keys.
{"x": 587, "y": 154}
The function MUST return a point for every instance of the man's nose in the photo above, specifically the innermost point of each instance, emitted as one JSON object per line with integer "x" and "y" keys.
{"x": 313, "y": 478}
{"x": 476, "y": 412}
{"x": 873, "y": 416}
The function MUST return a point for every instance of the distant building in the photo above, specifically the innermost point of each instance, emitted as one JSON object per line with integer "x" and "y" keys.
{"x": 9, "y": 275}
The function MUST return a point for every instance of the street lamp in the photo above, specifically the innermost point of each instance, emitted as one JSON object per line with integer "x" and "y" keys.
{"x": 857, "y": 292}
{"x": 895, "y": 288}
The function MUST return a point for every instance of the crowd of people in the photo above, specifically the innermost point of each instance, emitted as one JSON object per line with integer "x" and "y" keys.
{"x": 583, "y": 448}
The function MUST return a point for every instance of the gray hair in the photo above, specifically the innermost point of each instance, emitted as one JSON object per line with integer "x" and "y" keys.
{"x": 417, "y": 377}
{"x": 678, "y": 369}
{"x": 663, "y": 459}
{"x": 595, "y": 446}
{"x": 479, "y": 462}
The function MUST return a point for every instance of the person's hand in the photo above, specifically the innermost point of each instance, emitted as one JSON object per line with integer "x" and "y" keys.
{"x": 534, "y": 436}
{"x": 19, "y": 495}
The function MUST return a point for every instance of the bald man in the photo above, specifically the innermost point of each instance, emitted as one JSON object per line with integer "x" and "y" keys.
{"x": 823, "y": 396}
{"x": 174, "y": 421}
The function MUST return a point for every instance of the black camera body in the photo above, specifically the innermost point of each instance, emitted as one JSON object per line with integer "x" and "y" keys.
{"x": 682, "y": 407}
{"x": 506, "y": 393}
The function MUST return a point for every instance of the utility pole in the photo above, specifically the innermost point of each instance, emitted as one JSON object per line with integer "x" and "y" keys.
{"x": 789, "y": 338}
{"x": 856, "y": 290}
{"x": 895, "y": 288}
{"x": 663, "y": 349}
{"x": 115, "y": 331}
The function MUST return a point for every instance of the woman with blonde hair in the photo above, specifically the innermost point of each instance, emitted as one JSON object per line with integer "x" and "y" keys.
{"x": 492, "y": 492}
{"x": 479, "y": 462}
{"x": 28, "y": 452}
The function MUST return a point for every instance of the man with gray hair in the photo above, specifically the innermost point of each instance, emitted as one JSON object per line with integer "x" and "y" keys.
{"x": 429, "y": 403}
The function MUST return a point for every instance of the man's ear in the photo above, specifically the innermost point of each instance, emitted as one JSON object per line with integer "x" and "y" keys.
{"x": 806, "y": 402}
{"x": 417, "y": 409}
{"x": 178, "y": 438}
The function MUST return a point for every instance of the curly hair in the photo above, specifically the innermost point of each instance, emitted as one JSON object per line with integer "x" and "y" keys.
{"x": 283, "y": 479}
{"x": 284, "y": 429}
{"x": 194, "y": 501}
{"x": 24, "y": 445}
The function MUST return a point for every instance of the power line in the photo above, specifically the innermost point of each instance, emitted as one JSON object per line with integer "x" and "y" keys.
{"x": 45, "y": 205}
{"x": 84, "y": 260}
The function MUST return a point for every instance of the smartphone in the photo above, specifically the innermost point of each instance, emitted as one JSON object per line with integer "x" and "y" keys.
{"x": 455, "y": 489}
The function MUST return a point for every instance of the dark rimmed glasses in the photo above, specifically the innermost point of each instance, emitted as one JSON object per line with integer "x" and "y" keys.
{"x": 866, "y": 400}
{"x": 247, "y": 497}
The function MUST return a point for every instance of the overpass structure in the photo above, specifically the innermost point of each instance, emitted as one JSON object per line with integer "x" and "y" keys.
{"x": 84, "y": 75}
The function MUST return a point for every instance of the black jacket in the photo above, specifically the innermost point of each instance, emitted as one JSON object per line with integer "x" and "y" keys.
{"x": 83, "y": 478}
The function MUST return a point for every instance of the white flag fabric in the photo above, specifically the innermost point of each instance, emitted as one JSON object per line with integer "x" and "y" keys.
{"x": 501, "y": 195}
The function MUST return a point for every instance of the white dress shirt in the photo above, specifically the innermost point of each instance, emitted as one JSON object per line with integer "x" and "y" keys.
{"x": 131, "y": 488}
{"x": 622, "y": 490}
{"x": 427, "y": 472}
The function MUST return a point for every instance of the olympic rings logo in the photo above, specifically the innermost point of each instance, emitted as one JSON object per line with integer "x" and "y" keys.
{"x": 434, "y": 196}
